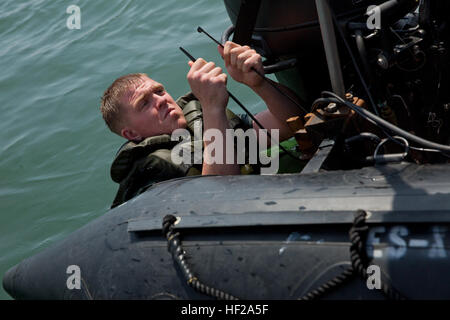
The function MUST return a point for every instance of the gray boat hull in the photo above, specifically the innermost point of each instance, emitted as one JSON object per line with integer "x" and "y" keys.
{"x": 257, "y": 237}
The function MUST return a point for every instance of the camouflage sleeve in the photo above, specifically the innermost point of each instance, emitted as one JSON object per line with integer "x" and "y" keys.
{"x": 152, "y": 169}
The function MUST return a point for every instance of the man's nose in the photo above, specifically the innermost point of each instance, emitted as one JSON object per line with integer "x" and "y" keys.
{"x": 160, "y": 101}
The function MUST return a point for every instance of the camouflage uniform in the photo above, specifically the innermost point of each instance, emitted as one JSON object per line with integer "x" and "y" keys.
{"x": 139, "y": 165}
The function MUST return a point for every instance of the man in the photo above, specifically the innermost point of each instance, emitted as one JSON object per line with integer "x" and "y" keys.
{"x": 143, "y": 112}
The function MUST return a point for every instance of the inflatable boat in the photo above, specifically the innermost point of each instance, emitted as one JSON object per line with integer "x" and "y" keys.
{"x": 258, "y": 237}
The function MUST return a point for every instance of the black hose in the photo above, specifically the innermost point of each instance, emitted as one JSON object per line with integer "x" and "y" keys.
{"x": 364, "y": 136}
{"x": 368, "y": 115}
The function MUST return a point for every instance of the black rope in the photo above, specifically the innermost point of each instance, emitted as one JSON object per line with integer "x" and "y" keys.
{"x": 178, "y": 254}
{"x": 359, "y": 260}
{"x": 358, "y": 256}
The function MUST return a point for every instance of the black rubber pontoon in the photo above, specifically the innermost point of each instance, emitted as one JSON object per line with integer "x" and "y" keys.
{"x": 258, "y": 237}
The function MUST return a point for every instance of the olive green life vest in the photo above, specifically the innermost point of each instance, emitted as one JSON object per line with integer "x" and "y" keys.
{"x": 139, "y": 165}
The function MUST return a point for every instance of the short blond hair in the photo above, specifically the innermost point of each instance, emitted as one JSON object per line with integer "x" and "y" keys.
{"x": 112, "y": 101}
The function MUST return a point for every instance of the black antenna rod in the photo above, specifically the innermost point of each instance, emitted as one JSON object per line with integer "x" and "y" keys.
{"x": 231, "y": 95}
{"x": 201, "y": 30}
{"x": 245, "y": 109}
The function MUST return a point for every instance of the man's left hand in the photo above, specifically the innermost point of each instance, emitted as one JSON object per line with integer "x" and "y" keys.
{"x": 239, "y": 61}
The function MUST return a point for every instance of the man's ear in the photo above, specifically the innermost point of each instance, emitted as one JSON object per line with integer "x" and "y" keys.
{"x": 130, "y": 134}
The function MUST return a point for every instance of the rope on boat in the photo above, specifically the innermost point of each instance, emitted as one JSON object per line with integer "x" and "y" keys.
{"x": 360, "y": 262}
{"x": 178, "y": 254}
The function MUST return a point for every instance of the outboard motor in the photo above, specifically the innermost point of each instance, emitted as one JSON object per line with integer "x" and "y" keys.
{"x": 394, "y": 58}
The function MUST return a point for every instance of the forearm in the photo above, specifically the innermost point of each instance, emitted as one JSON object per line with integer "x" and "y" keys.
{"x": 241, "y": 63}
{"x": 279, "y": 105}
{"x": 215, "y": 125}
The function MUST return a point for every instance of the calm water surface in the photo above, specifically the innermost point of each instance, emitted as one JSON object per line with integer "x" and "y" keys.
{"x": 55, "y": 150}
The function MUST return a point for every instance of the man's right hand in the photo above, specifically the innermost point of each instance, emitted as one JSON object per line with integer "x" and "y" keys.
{"x": 209, "y": 85}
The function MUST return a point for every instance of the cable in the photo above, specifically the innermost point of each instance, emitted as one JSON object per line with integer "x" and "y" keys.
{"x": 377, "y": 149}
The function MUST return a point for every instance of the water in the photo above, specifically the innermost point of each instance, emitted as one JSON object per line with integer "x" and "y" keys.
{"x": 55, "y": 150}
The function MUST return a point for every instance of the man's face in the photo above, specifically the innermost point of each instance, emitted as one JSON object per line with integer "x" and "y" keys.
{"x": 150, "y": 111}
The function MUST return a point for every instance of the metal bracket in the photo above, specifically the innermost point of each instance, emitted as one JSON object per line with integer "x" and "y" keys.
{"x": 319, "y": 158}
